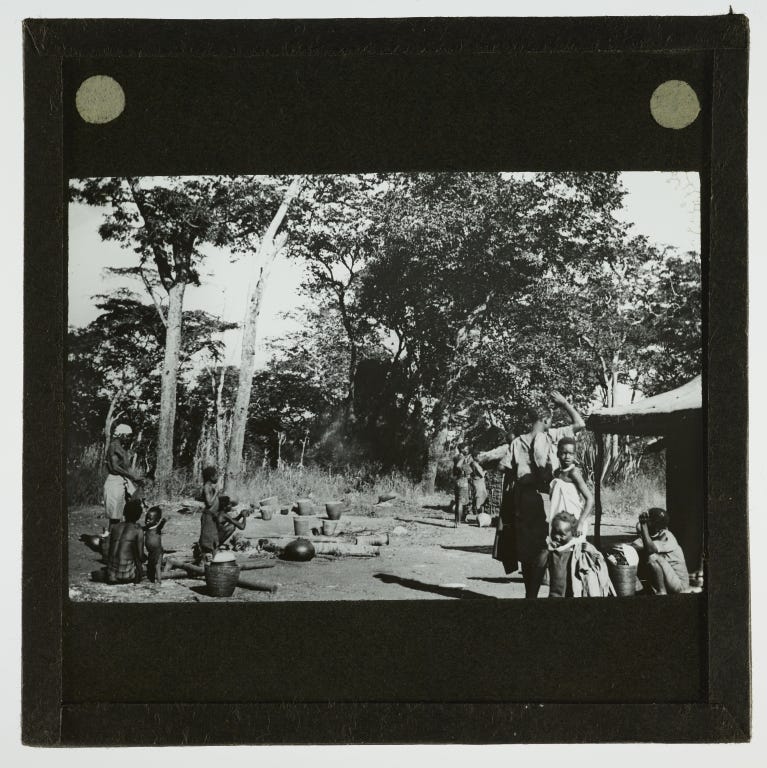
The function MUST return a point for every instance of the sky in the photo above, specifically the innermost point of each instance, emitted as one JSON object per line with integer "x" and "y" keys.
{"x": 663, "y": 206}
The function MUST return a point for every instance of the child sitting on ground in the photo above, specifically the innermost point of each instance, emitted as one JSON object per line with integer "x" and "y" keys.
{"x": 126, "y": 546}
{"x": 216, "y": 525}
{"x": 661, "y": 552}
{"x": 153, "y": 526}
{"x": 568, "y": 487}
{"x": 576, "y": 568}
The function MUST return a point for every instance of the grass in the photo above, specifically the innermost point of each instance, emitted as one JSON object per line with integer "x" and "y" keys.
{"x": 360, "y": 487}
{"x": 626, "y": 499}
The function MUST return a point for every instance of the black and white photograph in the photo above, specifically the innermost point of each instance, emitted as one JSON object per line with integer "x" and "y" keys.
{"x": 384, "y": 386}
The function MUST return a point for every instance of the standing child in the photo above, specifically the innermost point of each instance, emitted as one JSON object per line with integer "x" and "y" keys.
{"x": 153, "y": 526}
{"x": 126, "y": 547}
{"x": 461, "y": 472}
{"x": 568, "y": 490}
{"x": 662, "y": 553}
{"x": 477, "y": 480}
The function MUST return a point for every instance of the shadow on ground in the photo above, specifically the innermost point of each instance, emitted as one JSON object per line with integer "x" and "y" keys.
{"x": 421, "y": 586}
{"x": 498, "y": 579}
{"x": 480, "y": 549}
{"x": 435, "y": 522}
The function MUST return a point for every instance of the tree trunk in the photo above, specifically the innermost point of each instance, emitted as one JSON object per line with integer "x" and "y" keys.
{"x": 108, "y": 421}
{"x": 168, "y": 381}
{"x": 221, "y": 438}
{"x": 349, "y": 405}
{"x": 436, "y": 450}
{"x": 247, "y": 369}
{"x": 269, "y": 248}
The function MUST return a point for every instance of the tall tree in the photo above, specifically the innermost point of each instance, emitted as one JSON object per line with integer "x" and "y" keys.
{"x": 166, "y": 222}
{"x": 264, "y": 249}
{"x": 456, "y": 250}
{"x": 336, "y": 238}
{"x": 122, "y": 350}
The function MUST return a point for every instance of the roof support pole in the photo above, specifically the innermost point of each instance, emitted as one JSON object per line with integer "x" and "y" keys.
{"x": 598, "y": 469}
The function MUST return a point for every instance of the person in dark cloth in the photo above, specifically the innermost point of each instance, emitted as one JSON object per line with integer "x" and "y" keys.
{"x": 216, "y": 525}
{"x": 153, "y": 525}
{"x": 126, "y": 547}
{"x": 523, "y": 527}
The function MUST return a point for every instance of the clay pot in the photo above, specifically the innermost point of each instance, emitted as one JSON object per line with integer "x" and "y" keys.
{"x": 329, "y": 527}
{"x": 93, "y": 540}
{"x": 270, "y": 501}
{"x": 266, "y": 513}
{"x": 302, "y": 526}
{"x": 334, "y": 509}
{"x": 285, "y": 510}
{"x": 305, "y": 507}
{"x": 300, "y": 550}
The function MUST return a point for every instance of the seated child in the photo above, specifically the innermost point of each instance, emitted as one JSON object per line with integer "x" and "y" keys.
{"x": 576, "y": 568}
{"x": 568, "y": 486}
{"x": 216, "y": 526}
{"x": 153, "y": 526}
{"x": 661, "y": 552}
{"x": 126, "y": 546}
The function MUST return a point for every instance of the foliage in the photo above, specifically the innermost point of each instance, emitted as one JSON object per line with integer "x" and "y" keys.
{"x": 116, "y": 359}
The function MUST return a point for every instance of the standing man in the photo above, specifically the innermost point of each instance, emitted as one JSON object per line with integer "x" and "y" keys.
{"x": 121, "y": 481}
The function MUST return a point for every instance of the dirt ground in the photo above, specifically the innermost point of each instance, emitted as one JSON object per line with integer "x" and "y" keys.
{"x": 430, "y": 560}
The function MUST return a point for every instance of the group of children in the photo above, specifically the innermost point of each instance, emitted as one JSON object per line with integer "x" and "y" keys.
{"x": 575, "y": 567}
{"x": 131, "y": 545}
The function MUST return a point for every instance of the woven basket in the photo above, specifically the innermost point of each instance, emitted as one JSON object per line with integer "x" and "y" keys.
{"x": 221, "y": 578}
{"x": 624, "y": 579}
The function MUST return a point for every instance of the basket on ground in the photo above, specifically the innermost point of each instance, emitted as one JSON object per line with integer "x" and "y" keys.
{"x": 624, "y": 578}
{"x": 221, "y": 577}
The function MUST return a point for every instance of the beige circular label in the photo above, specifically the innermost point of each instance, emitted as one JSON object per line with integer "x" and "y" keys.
{"x": 674, "y": 104}
{"x": 100, "y": 99}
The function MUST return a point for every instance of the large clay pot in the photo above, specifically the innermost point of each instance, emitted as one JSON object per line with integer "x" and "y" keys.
{"x": 299, "y": 550}
{"x": 302, "y": 525}
{"x": 271, "y": 501}
{"x": 334, "y": 509}
{"x": 305, "y": 507}
{"x": 267, "y": 512}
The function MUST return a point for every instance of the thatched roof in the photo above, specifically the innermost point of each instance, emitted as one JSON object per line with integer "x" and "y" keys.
{"x": 658, "y": 415}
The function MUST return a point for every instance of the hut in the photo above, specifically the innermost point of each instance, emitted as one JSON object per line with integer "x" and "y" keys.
{"x": 677, "y": 417}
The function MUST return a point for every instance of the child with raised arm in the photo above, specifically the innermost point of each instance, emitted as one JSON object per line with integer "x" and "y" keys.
{"x": 569, "y": 491}
{"x": 659, "y": 548}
